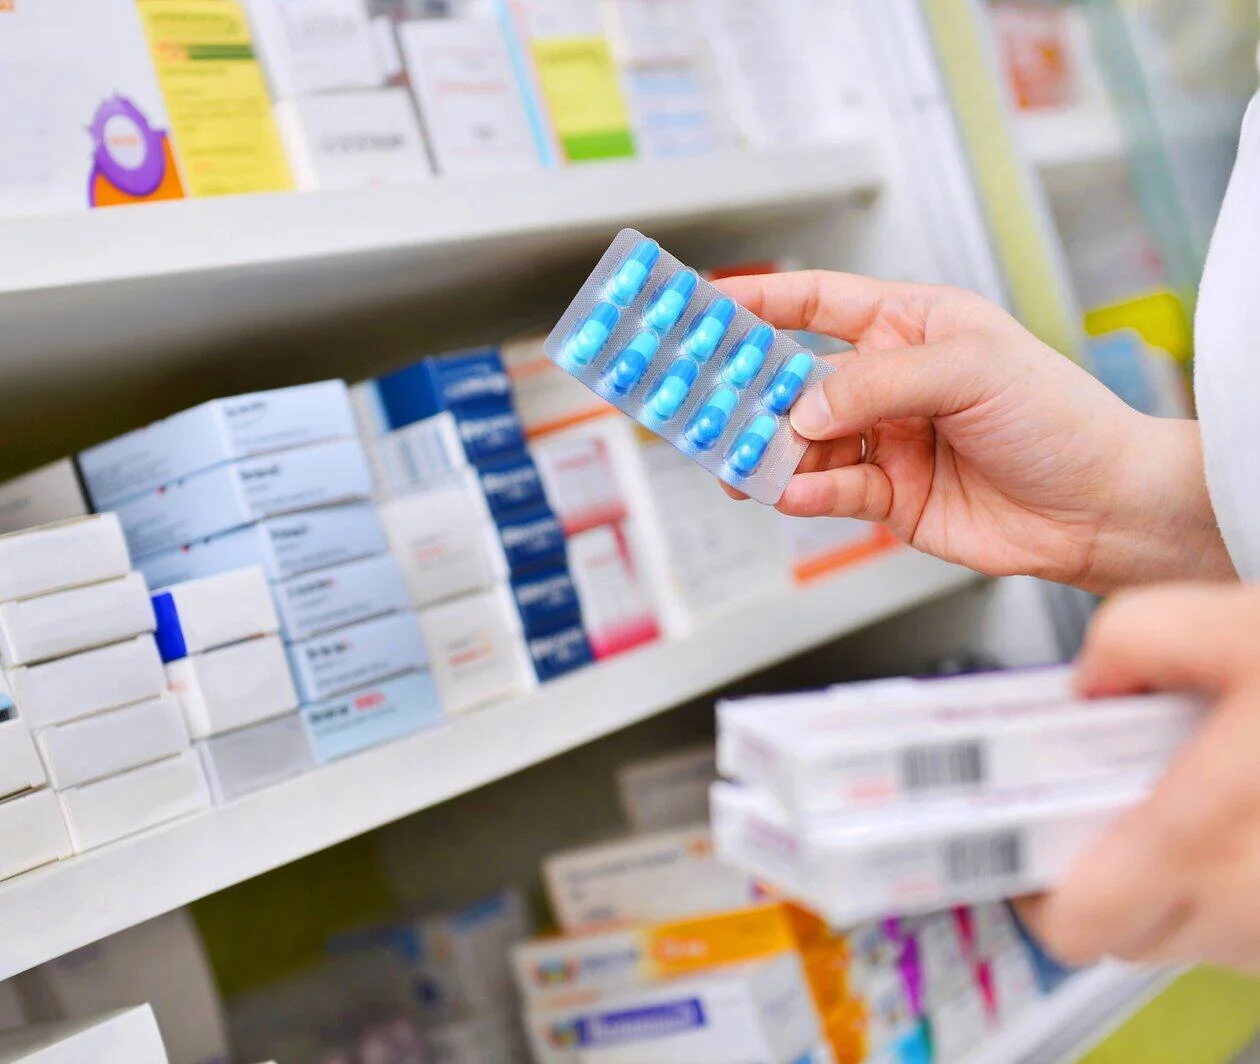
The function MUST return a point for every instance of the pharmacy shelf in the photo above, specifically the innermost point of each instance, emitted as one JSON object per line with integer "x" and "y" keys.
{"x": 1075, "y": 1018}
{"x": 131, "y": 281}
{"x": 61, "y": 907}
{"x": 1078, "y": 135}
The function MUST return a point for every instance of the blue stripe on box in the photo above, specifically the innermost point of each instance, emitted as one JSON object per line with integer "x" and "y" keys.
{"x": 170, "y": 633}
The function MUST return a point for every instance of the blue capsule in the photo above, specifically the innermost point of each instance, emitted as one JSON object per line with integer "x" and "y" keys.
{"x": 670, "y": 302}
{"x": 743, "y": 366}
{"x": 746, "y": 455}
{"x": 709, "y": 330}
{"x": 625, "y": 285}
{"x": 672, "y": 392}
{"x": 711, "y": 419}
{"x": 589, "y": 340}
{"x": 627, "y": 369}
{"x": 786, "y": 386}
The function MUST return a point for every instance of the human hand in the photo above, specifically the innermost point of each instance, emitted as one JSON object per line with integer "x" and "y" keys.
{"x": 1175, "y": 880}
{"x": 986, "y": 447}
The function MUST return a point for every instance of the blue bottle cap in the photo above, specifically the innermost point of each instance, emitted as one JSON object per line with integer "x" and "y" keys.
{"x": 745, "y": 363}
{"x": 627, "y": 369}
{"x": 746, "y": 455}
{"x": 709, "y": 330}
{"x": 670, "y": 302}
{"x": 787, "y": 384}
{"x": 672, "y": 392}
{"x": 625, "y": 285}
{"x": 711, "y": 419}
{"x": 590, "y": 337}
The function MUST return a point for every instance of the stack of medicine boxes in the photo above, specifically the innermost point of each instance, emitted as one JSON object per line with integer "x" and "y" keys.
{"x": 279, "y": 480}
{"x": 76, "y": 638}
{"x": 464, "y": 509}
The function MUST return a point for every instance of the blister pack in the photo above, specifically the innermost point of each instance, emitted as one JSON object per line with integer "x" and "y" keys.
{"x": 648, "y": 335}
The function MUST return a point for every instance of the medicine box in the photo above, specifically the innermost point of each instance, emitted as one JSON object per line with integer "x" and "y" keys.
{"x": 20, "y": 768}
{"x": 284, "y": 546}
{"x": 476, "y": 652}
{"x": 548, "y": 400}
{"x": 760, "y": 1012}
{"x": 617, "y": 608}
{"x": 117, "y": 740}
{"x": 670, "y": 791}
{"x": 129, "y": 1036}
{"x": 467, "y": 383}
{"x": 66, "y": 554}
{"x": 214, "y": 434}
{"x": 371, "y": 716}
{"x": 358, "y": 655}
{"x": 50, "y": 493}
{"x": 239, "y": 493}
{"x": 315, "y": 47}
{"x": 248, "y": 759}
{"x": 34, "y": 832}
{"x": 546, "y": 600}
{"x": 113, "y": 808}
{"x": 234, "y": 686}
{"x": 529, "y": 538}
{"x": 915, "y": 857}
{"x": 412, "y": 457}
{"x": 580, "y": 477}
{"x": 340, "y": 595}
{"x": 555, "y": 654}
{"x": 89, "y": 682}
{"x": 642, "y": 879}
{"x": 51, "y": 626}
{"x": 214, "y": 611}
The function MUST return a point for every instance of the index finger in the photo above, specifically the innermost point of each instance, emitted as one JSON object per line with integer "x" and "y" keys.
{"x": 842, "y": 305}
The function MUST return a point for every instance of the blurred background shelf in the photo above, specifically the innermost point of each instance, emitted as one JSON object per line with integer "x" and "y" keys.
{"x": 1070, "y": 136}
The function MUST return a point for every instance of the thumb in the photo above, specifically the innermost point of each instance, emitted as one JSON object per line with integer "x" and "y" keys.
{"x": 927, "y": 380}
{"x": 1194, "y": 637}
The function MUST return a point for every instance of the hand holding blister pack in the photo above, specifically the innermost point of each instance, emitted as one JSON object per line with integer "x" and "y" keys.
{"x": 654, "y": 340}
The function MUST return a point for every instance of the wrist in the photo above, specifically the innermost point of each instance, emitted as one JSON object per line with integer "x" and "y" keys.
{"x": 1158, "y": 524}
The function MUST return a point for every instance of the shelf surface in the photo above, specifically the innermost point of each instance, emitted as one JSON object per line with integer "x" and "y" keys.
{"x": 61, "y": 907}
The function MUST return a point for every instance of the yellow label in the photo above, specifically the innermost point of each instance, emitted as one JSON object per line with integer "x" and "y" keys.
{"x": 1160, "y": 318}
{"x": 578, "y": 78}
{"x": 219, "y": 106}
{"x": 688, "y": 946}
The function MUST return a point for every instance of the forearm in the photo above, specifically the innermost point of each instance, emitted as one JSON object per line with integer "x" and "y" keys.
{"x": 1159, "y": 525}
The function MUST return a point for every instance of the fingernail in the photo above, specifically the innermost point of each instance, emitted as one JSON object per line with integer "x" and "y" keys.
{"x": 812, "y": 413}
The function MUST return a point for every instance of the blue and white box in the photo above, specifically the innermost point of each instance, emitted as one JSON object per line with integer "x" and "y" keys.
{"x": 560, "y": 652}
{"x": 214, "y": 611}
{"x": 530, "y": 538}
{"x": 234, "y": 686}
{"x": 511, "y": 484}
{"x": 546, "y": 600}
{"x": 215, "y": 433}
{"x": 284, "y": 546}
{"x": 242, "y": 492}
{"x": 372, "y": 716}
{"x": 249, "y": 759}
{"x": 329, "y": 665}
{"x": 460, "y": 382}
{"x": 344, "y": 594}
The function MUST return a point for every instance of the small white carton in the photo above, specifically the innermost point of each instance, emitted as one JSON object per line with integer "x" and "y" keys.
{"x": 34, "y": 832}
{"x": 117, "y": 740}
{"x": 50, "y": 493}
{"x": 668, "y": 792}
{"x": 239, "y": 493}
{"x": 51, "y": 626}
{"x": 54, "y": 557}
{"x": 249, "y": 759}
{"x": 113, "y": 808}
{"x": 212, "y": 434}
{"x": 332, "y": 664}
{"x": 20, "y": 767}
{"x": 89, "y": 682}
{"x": 214, "y": 612}
{"x": 340, "y": 595}
{"x": 642, "y": 879}
{"x": 617, "y": 608}
{"x": 235, "y": 686}
{"x": 130, "y": 1036}
{"x": 579, "y": 471}
{"x": 476, "y": 651}
{"x": 317, "y": 46}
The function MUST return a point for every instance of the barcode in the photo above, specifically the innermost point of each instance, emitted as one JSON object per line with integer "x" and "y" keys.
{"x": 940, "y": 765}
{"x": 974, "y": 860}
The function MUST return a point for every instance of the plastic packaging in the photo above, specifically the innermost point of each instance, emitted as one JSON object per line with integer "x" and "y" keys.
{"x": 652, "y": 338}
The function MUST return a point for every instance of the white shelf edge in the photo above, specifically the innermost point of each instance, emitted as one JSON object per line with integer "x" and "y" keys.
{"x": 53, "y": 910}
{"x": 1059, "y": 138}
{"x": 160, "y": 239}
{"x": 1075, "y": 1018}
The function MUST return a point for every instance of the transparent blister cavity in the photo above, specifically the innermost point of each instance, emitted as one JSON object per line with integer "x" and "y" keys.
{"x": 669, "y": 349}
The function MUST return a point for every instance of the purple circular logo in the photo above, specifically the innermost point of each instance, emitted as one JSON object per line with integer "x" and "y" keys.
{"x": 129, "y": 152}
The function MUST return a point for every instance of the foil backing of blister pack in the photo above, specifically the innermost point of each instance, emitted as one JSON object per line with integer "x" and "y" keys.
{"x": 622, "y": 337}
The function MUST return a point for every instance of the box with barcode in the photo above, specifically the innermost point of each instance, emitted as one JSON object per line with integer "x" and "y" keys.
{"x": 816, "y": 765}
{"x": 915, "y": 858}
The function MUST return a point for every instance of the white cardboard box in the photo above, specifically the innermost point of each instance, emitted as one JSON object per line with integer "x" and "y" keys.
{"x": 50, "y": 493}
{"x": 117, "y": 740}
{"x": 235, "y": 686}
{"x": 34, "y": 832}
{"x": 113, "y": 808}
{"x": 340, "y": 595}
{"x": 249, "y": 759}
{"x": 52, "y": 626}
{"x": 642, "y": 878}
{"x": 357, "y": 656}
{"x": 127, "y": 1037}
{"x": 214, "y": 612}
{"x": 89, "y": 682}
{"x": 617, "y": 609}
{"x": 20, "y": 768}
{"x": 668, "y": 792}
{"x": 62, "y": 555}
{"x": 476, "y": 651}
{"x": 315, "y": 46}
